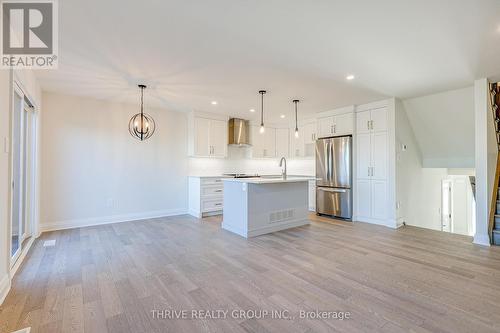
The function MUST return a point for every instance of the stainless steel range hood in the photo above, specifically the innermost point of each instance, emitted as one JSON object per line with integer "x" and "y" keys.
{"x": 239, "y": 130}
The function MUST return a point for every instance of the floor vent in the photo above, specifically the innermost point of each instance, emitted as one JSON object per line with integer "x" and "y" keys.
{"x": 49, "y": 243}
{"x": 281, "y": 216}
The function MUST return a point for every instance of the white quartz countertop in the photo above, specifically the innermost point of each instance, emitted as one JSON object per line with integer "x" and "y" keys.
{"x": 270, "y": 180}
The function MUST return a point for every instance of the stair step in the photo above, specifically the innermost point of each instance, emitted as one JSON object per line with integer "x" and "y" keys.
{"x": 497, "y": 222}
{"x": 496, "y": 237}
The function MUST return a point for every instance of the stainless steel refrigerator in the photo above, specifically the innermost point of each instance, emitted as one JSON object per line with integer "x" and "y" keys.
{"x": 334, "y": 176}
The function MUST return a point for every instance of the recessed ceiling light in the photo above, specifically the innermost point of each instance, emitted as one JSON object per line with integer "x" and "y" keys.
{"x": 350, "y": 77}
{"x": 214, "y": 102}
{"x": 252, "y": 110}
{"x": 282, "y": 116}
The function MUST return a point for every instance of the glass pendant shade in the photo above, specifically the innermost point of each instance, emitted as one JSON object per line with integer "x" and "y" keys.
{"x": 262, "y": 128}
{"x": 142, "y": 126}
{"x": 296, "y": 101}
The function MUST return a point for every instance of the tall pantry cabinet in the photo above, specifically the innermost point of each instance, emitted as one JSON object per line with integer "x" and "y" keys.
{"x": 373, "y": 159}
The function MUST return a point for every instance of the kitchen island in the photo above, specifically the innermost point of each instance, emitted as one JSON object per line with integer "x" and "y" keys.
{"x": 257, "y": 206}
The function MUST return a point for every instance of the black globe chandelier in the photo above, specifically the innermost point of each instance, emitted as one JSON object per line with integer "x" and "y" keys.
{"x": 141, "y": 126}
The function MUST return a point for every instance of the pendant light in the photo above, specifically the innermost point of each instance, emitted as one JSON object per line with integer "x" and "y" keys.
{"x": 141, "y": 126}
{"x": 262, "y": 129}
{"x": 296, "y": 101}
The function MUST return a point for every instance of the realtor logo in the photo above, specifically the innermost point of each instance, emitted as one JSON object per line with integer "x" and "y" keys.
{"x": 29, "y": 34}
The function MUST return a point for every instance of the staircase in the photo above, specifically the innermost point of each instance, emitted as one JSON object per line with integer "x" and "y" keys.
{"x": 494, "y": 223}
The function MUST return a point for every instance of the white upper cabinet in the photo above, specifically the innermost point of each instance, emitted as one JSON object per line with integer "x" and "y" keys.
{"x": 282, "y": 142}
{"x": 308, "y": 133}
{"x": 297, "y": 145}
{"x": 341, "y": 124}
{"x": 263, "y": 144}
{"x": 218, "y": 138}
{"x": 326, "y": 126}
{"x": 304, "y": 145}
{"x": 344, "y": 124}
{"x": 201, "y": 137}
{"x": 379, "y": 120}
{"x": 371, "y": 121}
{"x": 207, "y": 137}
{"x": 363, "y": 122}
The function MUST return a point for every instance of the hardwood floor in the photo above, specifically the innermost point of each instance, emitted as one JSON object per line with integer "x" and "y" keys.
{"x": 110, "y": 279}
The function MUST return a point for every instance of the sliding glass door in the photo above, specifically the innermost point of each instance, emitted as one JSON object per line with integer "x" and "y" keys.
{"x": 23, "y": 148}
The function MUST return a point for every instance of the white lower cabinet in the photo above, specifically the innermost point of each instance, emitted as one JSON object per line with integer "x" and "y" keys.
{"x": 364, "y": 195}
{"x": 205, "y": 196}
{"x": 312, "y": 195}
{"x": 379, "y": 199}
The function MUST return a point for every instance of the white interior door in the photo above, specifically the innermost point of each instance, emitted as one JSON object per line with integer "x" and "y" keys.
{"x": 459, "y": 206}
{"x": 218, "y": 142}
{"x": 446, "y": 205}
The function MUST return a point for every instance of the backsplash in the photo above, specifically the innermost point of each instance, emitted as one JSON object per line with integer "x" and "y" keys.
{"x": 239, "y": 161}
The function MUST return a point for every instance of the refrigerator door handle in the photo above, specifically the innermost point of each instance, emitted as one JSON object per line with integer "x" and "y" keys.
{"x": 336, "y": 190}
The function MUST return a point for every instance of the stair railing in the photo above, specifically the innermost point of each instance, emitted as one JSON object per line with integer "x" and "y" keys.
{"x": 495, "y": 108}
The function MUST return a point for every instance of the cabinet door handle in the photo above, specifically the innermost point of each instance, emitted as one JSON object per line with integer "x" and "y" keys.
{"x": 335, "y": 128}
{"x": 371, "y": 124}
{"x": 368, "y": 171}
{"x": 331, "y": 129}
{"x": 368, "y": 124}
{"x": 218, "y": 191}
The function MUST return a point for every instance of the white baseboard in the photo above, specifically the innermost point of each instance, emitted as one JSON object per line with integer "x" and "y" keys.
{"x": 482, "y": 240}
{"x": 78, "y": 223}
{"x": 278, "y": 227}
{"x": 385, "y": 223}
{"x": 4, "y": 287}
{"x": 20, "y": 260}
{"x": 194, "y": 213}
{"x": 265, "y": 229}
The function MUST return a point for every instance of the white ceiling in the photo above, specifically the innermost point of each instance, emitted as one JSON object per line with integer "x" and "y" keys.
{"x": 192, "y": 52}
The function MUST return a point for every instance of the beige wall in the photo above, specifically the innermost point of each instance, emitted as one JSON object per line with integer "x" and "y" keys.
{"x": 94, "y": 171}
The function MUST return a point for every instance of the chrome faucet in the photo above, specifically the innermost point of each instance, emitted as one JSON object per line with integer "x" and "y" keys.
{"x": 283, "y": 171}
